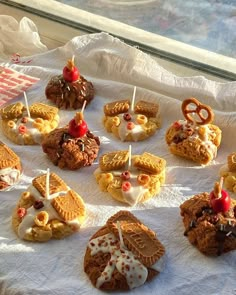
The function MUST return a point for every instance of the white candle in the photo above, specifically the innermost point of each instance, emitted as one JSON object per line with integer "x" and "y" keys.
{"x": 120, "y": 235}
{"x": 47, "y": 183}
{"x": 83, "y": 107}
{"x": 26, "y": 104}
{"x": 221, "y": 185}
{"x": 129, "y": 161}
{"x": 73, "y": 59}
{"x": 133, "y": 99}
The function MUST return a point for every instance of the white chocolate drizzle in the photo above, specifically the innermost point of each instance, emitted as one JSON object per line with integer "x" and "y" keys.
{"x": 9, "y": 175}
{"x": 121, "y": 259}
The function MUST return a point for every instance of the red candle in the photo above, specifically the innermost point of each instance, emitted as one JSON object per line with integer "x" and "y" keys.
{"x": 219, "y": 198}
{"x": 70, "y": 71}
{"x": 77, "y": 126}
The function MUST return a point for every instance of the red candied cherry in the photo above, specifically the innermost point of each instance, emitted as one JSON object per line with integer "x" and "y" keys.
{"x": 130, "y": 125}
{"x": 38, "y": 204}
{"x": 219, "y": 199}
{"x": 127, "y": 117}
{"x": 126, "y": 186}
{"x": 22, "y": 129}
{"x": 177, "y": 125}
{"x": 21, "y": 212}
{"x": 71, "y": 72}
{"x": 77, "y": 126}
{"x": 125, "y": 175}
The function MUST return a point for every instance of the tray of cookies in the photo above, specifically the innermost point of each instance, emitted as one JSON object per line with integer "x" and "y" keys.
{"x": 116, "y": 175}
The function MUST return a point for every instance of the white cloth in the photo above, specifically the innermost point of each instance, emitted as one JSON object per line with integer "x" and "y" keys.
{"x": 56, "y": 267}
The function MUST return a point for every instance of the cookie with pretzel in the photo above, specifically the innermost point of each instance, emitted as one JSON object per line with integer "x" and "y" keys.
{"x": 133, "y": 180}
{"x": 194, "y": 138}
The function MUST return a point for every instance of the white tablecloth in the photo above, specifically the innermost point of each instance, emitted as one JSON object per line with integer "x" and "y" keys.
{"x": 56, "y": 267}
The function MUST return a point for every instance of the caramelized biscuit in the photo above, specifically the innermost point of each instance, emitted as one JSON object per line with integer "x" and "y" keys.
{"x": 117, "y": 107}
{"x": 43, "y": 111}
{"x": 12, "y": 111}
{"x": 146, "y": 108}
{"x": 113, "y": 160}
{"x": 56, "y": 184}
{"x": 69, "y": 206}
{"x": 149, "y": 163}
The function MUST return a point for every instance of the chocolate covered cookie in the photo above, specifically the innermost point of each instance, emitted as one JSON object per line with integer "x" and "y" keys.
{"x": 69, "y": 90}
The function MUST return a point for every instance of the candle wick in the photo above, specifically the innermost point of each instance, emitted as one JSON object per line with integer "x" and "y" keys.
{"x": 133, "y": 99}
{"x": 129, "y": 161}
{"x": 120, "y": 234}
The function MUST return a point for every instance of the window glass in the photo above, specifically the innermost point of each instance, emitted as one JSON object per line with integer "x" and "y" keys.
{"x": 207, "y": 24}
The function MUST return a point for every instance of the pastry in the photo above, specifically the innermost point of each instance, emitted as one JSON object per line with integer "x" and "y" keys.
{"x": 131, "y": 125}
{"x": 28, "y": 129}
{"x": 123, "y": 254}
{"x": 69, "y": 90}
{"x": 196, "y": 140}
{"x": 40, "y": 216}
{"x": 210, "y": 221}
{"x": 228, "y": 171}
{"x": 73, "y": 146}
{"x": 10, "y": 167}
{"x": 132, "y": 180}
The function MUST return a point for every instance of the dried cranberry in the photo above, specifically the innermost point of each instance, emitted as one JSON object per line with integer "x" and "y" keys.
{"x": 127, "y": 117}
{"x": 24, "y": 120}
{"x": 125, "y": 175}
{"x": 214, "y": 219}
{"x": 38, "y": 204}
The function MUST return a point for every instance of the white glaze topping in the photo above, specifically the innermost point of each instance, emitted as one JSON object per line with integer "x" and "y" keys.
{"x": 135, "y": 193}
{"x": 124, "y": 131}
{"x": 121, "y": 259}
{"x": 9, "y": 175}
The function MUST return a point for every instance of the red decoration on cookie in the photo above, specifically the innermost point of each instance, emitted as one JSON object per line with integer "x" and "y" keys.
{"x": 21, "y": 212}
{"x": 127, "y": 117}
{"x": 125, "y": 175}
{"x": 130, "y": 126}
{"x": 219, "y": 199}
{"x": 70, "y": 71}
{"x": 77, "y": 126}
{"x": 126, "y": 186}
{"x": 22, "y": 129}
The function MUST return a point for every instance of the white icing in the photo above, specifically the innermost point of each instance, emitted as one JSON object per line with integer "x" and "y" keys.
{"x": 121, "y": 259}
{"x": 28, "y": 220}
{"x": 9, "y": 175}
{"x": 124, "y": 131}
{"x": 160, "y": 264}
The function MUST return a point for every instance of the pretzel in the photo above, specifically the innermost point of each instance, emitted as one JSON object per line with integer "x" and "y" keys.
{"x": 199, "y": 107}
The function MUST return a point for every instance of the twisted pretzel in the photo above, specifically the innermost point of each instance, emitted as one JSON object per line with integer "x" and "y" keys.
{"x": 198, "y": 109}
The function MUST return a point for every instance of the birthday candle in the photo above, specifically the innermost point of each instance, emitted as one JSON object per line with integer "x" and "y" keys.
{"x": 26, "y": 104}
{"x": 133, "y": 99}
{"x": 47, "y": 183}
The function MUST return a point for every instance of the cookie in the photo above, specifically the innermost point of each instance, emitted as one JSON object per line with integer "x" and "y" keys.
{"x": 194, "y": 140}
{"x": 228, "y": 171}
{"x": 68, "y": 148}
{"x": 24, "y": 130}
{"x": 69, "y": 90}
{"x": 212, "y": 233}
{"x": 133, "y": 182}
{"x": 131, "y": 125}
{"x": 39, "y": 218}
{"x": 10, "y": 167}
{"x": 113, "y": 264}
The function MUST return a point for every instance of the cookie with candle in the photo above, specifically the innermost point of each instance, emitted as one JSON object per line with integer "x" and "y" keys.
{"x": 124, "y": 254}
{"x": 48, "y": 209}
{"x": 130, "y": 178}
{"x": 28, "y": 125}
{"x": 210, "y": 221}
{"x": 10, "y": 167}
{"x": 131, "y": 122}
{"x": 72, "y": 147}
{"x": 70, "y": 89}
{"x": 228, "y": 171}
{"x": 196, "y": 140}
